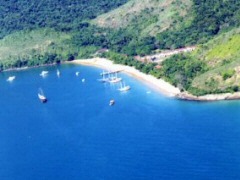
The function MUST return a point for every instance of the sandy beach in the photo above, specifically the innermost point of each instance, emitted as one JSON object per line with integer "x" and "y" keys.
{"x": 161, "y": 85}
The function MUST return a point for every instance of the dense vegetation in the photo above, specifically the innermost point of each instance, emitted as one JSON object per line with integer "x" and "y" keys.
{"x": 49, "y": 31}
{"x": 31, "y": 48}
{"x": 61, "y": 15}
{"x": 204, "y": 20}
{"x": 184, "y": 70}
{"x": 223, "y": 60}
{"x": 208, "y": 18}
{"x": 147, "y": 17}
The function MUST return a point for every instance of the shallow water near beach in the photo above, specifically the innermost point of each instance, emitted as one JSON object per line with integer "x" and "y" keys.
{"x": 77, "y": 135}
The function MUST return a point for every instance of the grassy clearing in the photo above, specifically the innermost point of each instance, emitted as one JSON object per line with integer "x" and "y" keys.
{"x": 25, "y": 43}
{"x": 228, "y": 49}
{"x": 222, "y": 55}
{"x": 222, "y": 49}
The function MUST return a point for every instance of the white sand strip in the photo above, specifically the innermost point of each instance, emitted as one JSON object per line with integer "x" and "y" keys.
{"x": 160, "y": 84}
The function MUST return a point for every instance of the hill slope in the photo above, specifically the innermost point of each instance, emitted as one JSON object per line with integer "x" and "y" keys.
{"x": 147, "y": 17}
{"x": 213, "y": 67}
{"x": 37, "y": 32}
{"x": 222, "y": 55}
{"x": 64, "y": 15}
{"x": 28, "y": 48}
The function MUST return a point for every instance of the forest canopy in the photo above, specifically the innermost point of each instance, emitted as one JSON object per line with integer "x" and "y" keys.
{"x": 62, "y": 15}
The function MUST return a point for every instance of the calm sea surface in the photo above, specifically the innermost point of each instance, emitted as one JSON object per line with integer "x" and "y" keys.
{"x": 77, "y": 135}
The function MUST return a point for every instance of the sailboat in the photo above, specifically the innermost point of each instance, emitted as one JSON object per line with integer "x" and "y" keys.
{"x": 11, "y": 78}
{"x": 114, "y": 79}
{"x": 111, "y": 102}
{"x": 44, "y": 73}
{"x": 103, "y": 79}
{"x": 41, "y": 96}
{"x": 105, "y": 73}
{"x": 58, "y": 73}
{"x": 124, "y": 87}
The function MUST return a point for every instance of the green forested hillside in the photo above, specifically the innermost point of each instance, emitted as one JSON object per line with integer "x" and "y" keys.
{"x": 174, "y": 23}
{"x": 212, "y": 68}
{"x": 145, "y": 17}
{"x": 61, "y": 15}
{"x": 206, "y": 20}
{"x": 222, "y": 55}
{"x": 37, "y": 32}
{"x": 30, "y": 48}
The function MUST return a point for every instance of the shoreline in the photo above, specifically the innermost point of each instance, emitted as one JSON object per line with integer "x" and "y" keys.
{"x": 29, "y": 67}
{"x": 159, "y": 84}
{"x": 162, "y": 86}
{"x": 209, "y": 97}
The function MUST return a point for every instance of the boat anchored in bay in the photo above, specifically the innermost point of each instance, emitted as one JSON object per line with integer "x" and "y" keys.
{"x": 111, "y": 102}
{"x": 103, "y": 79}
{"x": 41, "y": 96}
{"x": 114, "y": 79}
{"x": 44, "y": 73}
{"x": 11, "y": 78}
{"x": 124, "y": 87}
{"x": 58, "y": 73}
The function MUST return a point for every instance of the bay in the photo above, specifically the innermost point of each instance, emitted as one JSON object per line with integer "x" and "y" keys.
{"x": 77, "y": 135}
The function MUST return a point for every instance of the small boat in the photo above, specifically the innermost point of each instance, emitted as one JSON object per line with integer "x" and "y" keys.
{"x": 111, "y": 102}
{"x": 114, "y": 79}
{"x": 44, "y": 73}
{"x": 109, "y": 72}
{"x": 103, "y": 79}
{"x": 77, "y": 73}
{"x": 106, "y": 73}
{"x": 11, "y": 78}
{"x": 58, "y": 73}
{"x": 83, "y": 80}
{"x": 124, "y": 87}
{"x": 41, "y": 96}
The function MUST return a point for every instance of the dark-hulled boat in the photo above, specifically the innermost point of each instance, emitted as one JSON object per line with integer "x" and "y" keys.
{"x": 111, "y": 102}
{"x": 41, "y": 96}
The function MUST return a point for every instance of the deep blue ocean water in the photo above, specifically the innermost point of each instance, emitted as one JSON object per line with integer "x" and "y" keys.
{"x": 77, "y": 135}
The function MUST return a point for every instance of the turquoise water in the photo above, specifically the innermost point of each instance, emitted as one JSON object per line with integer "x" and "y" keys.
{"x": 77, "y": 135}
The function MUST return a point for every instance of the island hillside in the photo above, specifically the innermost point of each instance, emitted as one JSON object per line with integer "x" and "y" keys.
{"x": 143, "y": 34}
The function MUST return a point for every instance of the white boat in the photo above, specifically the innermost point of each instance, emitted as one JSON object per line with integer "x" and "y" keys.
{"x": 41, "y": 96}
{"x": 124, "y": 87}
{"x": 44, "y": 73}
{"x": 83, "y": 80}
{"x": 11, "y": 78}
{"x": 111, "y": 102}
{"x": 109, "y": 72}
{"x": 77, "y": 73}
{"x": 103, "y": 79}
{"x": 114, "y": 79}
{"x": 58, "y": 73}
{"x": 105, "y": 73}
